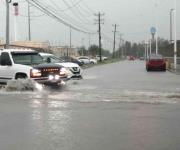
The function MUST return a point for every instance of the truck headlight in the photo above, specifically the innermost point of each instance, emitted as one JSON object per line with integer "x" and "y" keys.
{"x": 51, "y": 77}
{"x": 35, "y": 73}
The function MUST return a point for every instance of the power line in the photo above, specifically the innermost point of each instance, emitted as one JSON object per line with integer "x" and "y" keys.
{"x": 77, "y": 13}
{"x": 75, "y": 4}
{"x": 81, "y": 8}
{"x": 90, "y": 10}
{"x": 51, "y": 14}
{"x": 70, "y": 19}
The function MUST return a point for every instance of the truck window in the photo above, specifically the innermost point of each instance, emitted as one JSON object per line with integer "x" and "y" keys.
{"x": 5, "y": 59}
{"x": 27, "y": 58}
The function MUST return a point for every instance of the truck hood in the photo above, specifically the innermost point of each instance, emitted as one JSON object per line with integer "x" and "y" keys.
{"x": 46, "y": 65}
{"x": 68, "y": 64}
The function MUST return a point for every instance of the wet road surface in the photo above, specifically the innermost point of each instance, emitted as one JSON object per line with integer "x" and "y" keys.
{"x": 117, "y": 106}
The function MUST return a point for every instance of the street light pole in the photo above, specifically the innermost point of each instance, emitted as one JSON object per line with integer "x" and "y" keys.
{"x": 7, "y": 23}
{"x": 156, "y": 5}
{"x": 147, "y": 44}
{"x": 150, "y": 45}
{"x": 171, "y": 12}
{"x": 145, "y": 50}
{"x": 175, "y": 34}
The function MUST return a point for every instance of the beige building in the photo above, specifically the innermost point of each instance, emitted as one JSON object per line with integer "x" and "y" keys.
{"x": 61, "y": 51}
{"x": 39, "y": 46}
{"x": 44, "y": 47}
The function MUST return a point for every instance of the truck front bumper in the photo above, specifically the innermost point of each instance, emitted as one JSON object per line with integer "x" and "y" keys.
{"x": 51, "y": 81}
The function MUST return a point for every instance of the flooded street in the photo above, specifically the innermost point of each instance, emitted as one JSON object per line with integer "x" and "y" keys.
{"x": 115, "y": 107}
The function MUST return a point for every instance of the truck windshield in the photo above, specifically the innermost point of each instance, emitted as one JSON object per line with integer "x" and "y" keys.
{"x": 27, "y": 58}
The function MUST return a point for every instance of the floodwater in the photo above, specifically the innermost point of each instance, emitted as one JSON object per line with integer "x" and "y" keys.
{"x": 117, "y": 106}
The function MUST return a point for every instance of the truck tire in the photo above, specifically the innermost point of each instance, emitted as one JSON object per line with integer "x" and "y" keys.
{"x": 20, "y": 76}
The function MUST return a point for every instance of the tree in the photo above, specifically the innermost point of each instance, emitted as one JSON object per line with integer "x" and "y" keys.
{"x": 82, "y": 51}
{"x": 93, "y": 50}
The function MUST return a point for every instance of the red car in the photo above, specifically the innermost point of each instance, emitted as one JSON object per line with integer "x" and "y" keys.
{"x": 131, "y": 58}
{"x": 156, "y": 62}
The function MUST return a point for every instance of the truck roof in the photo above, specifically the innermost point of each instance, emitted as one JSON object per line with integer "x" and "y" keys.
{"x": 46, "y": 54}
{"x": 17, "y": 50}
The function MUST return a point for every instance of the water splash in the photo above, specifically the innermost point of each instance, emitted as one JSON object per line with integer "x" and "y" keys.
{"x": 23, "y": 85}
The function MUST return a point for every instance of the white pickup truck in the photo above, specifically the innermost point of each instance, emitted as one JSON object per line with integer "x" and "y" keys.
{"x": 21, "y": 63}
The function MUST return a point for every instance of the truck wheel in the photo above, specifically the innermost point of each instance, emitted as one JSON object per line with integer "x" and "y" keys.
{"x": 20, "y": 76}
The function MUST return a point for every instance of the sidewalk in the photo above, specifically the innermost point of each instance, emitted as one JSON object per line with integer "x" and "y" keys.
{"x": 175, "y": 71}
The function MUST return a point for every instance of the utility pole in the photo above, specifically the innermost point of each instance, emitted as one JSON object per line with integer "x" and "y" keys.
{"x": 7, "y": 23}
{"x": 120, "y": 45}
{"x": 29, "y": 22}
{"x": 70, "y": 40}
{"x": 100, "y": 21}
{"x": 89, "y": 40}
{"x": 114, "y": 43}
{"x": 175, "y": 34}
{"x": 82, "y": 43}
{"x": 89, "y": 36}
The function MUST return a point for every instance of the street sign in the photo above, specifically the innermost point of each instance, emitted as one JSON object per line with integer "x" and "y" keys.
{"x": 153, "y": 30}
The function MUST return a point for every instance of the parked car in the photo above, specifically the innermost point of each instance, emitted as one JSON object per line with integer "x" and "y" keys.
{"x": 93, "y": 60}
{"x": 131, "y": 58}
{"x": 73, "y": 60}
{"x": 86, "y": 60}
{"x": 156, "y": 62}
{"x": 141, "y": 58}
{"x": 21, "y": 63}
{"x": 74, "y": 70}
{"x": 102, "y": 58}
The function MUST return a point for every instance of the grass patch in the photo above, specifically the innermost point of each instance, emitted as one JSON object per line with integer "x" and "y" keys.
{"x": 109, "y": 61}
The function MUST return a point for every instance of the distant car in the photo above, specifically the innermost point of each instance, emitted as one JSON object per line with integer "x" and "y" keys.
{"x": 86, "y": 60}
{"x": 102, "y": 58}
{"x": 73, "y": 60}
{"x": 131, "y": 58}
{"x": 93, "y": 60}
{"x": 156, "y": 62}
{"x": 141, "y": 58}
{"x": 74, "y": 70}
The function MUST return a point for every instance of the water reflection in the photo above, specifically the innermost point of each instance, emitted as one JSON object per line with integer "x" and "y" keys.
{"x": 50, "y": 121}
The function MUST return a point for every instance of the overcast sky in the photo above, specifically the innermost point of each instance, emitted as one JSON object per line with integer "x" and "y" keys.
{"x": 134, "y": 19}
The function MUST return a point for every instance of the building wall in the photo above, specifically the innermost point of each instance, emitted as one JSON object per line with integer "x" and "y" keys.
{"x": 59, "y": 51}
{"x": 64, "y": 51}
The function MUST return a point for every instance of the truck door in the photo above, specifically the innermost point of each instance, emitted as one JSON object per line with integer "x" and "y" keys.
{"x": 6, "y": 68}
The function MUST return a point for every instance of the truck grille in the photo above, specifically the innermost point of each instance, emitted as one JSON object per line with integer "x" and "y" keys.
{"x": 47, "y": 71}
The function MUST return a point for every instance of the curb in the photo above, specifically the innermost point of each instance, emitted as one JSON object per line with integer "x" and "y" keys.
{"x": 177, "y": 72}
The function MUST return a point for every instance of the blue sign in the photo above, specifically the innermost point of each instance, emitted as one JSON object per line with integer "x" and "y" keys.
{"x": 153, "y": 30}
